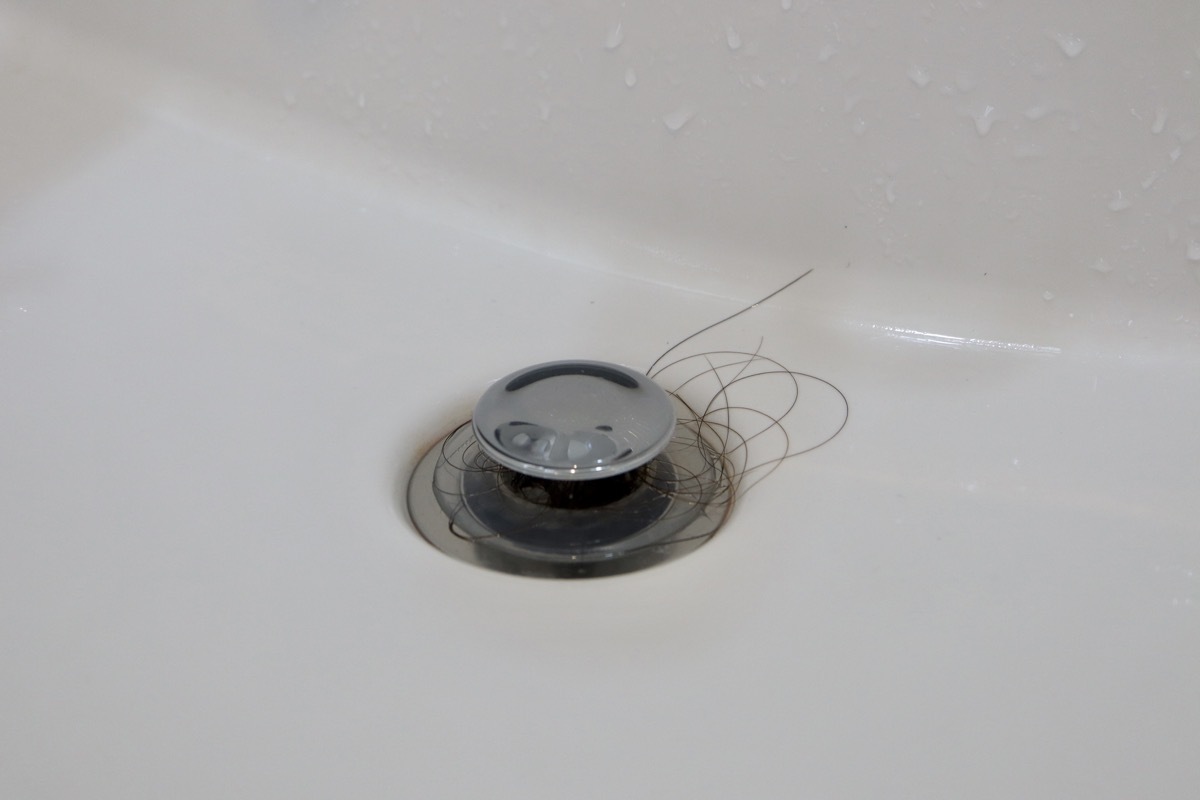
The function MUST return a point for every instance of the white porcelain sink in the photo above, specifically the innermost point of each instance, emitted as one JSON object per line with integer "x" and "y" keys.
{"x": 255, "y": 256}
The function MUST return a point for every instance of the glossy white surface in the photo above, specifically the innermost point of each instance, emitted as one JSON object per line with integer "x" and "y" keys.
{"x": 255, "y": 256}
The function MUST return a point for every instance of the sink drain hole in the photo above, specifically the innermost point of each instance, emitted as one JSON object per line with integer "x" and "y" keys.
{"x": 584, "y": 469}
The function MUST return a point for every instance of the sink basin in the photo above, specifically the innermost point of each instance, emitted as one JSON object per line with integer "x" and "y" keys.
{"x": 256, "y": 257}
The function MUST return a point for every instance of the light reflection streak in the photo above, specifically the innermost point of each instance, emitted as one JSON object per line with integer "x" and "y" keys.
{"x": 965, "y": 342}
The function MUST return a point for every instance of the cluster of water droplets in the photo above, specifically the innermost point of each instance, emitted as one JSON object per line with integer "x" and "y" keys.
{"x": 1029, "y": 129}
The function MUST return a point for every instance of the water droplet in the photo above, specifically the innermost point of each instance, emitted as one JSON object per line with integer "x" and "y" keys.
{"x": 616, "y": 35}
{"x": 1150, "y": 179}
{"x": 1034, "y": 113}
{"x": 630, "y": 77}
{"x": 827, "y": 52}
{"x": 1101, "y": 266}
{"x": 849, "y": 103}
{"x": 1047, "y": 296}
{"x": 678, "y": 118}
{"x": 1175, "y": 154}
{"x": 733, "y": 39}
{"x": 289, "y": 98}
{"x": 919, "y": 76}
{"x": 1070, "y": 44}
{"x": 1119, "y": 202}
{"x": 889, "y": 192}
{"x": 1160, "y": 121}
{"x": 984, "y": 118}
{"x": 859, "y": 126}
{"x": 1193, "y": 250}
{"x": 362, "y": 99}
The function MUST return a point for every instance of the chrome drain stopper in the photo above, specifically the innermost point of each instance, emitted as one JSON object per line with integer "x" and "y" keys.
{"x": 571, "y": 469}
{"x": 574, "y": 420}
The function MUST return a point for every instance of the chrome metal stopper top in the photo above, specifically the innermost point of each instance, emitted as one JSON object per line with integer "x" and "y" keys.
{"x": 574, "y": 420}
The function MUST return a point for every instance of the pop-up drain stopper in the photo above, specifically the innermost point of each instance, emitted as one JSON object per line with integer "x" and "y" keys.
{"x": 583, "y": 468}
{"x": 571, "y": 469}
{"x": 574, "y": 420}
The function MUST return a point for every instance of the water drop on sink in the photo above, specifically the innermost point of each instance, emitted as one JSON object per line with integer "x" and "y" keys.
{"x": 733, "y": 39}
{"x": 919, "y": 76}
{"x": 984, "y": 118}
{"x": 1070, "y": 44}
{"x": 616, "y": 35}
{"x": 1047, "y": 296}
{"x": 1101, "y": 266}
{"x": 1193, "y": 250}
{"x": 630, "y": 77}
{"x": 1119, "y": 202}
{"x": 1160, "y": 121}
{"x": 827, "y": 52}
{"x": 678, "y": 118}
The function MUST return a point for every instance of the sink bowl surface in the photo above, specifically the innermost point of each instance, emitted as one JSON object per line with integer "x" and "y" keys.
{"x": 256, "y": 256}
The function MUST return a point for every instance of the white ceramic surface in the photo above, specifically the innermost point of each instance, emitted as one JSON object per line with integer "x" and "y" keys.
{"x": 255, "y": 255}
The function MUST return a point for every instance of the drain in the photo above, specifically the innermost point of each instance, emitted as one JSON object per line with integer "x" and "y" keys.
{"x": 585, "y": 468}
{"x": 572, "y": 469}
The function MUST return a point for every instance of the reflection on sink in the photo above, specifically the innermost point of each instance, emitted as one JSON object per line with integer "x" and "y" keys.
{"x": 255, "y": 257}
